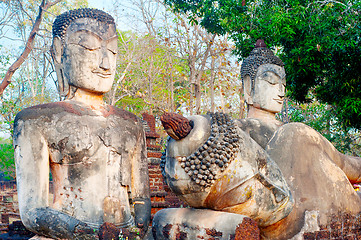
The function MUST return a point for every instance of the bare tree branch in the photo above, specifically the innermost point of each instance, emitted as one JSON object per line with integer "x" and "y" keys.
{"x": 117, "y": 83}
{"x": 29, "y": 45}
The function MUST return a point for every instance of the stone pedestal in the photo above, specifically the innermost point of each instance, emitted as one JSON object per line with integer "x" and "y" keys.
{"x": 188, "y": 223}
{"x": 37, "y": 237}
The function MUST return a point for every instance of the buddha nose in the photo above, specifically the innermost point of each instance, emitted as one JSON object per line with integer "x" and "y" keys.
{"x": 281, "y": 91}
{"x": 104, "y": 62}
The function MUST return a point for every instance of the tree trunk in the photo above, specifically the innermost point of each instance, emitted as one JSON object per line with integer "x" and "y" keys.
{"x": 192, "y": 81}
{"x": 171, "y": 89}
{"x": 197, "y": 92}
{"x": 211, "y": 81}
{"x": 28, "y": 47}
{"x": 222, "y": 99}
{"x": 197, "y": 86}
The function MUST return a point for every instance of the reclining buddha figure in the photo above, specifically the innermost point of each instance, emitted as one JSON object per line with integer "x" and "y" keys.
{"x": 95, "y": 152}
{"x": 255, "y": 167}
{"x": 318, "y": 175}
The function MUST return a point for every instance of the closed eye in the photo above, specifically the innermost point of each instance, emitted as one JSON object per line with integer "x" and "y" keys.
{"x": 113, "y": 51}
{"x": 270, "y": 77}
{"x": 89, "y": 47}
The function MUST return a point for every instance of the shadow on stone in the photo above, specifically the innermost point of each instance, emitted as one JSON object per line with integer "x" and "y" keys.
{"x": 17, "y": 231}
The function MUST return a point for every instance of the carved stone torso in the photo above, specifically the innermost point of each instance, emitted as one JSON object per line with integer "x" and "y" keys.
{"x": 90, "y": 154}
{"x": 258, "y": 130}
{"x": 251, "y": 184}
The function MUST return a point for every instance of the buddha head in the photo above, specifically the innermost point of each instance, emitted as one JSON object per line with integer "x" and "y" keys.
{"x": 84, "y": 51}
{"x": 264, "y": 79}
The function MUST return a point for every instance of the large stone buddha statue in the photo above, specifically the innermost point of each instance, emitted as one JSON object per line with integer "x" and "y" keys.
{"x": 95, "y": 152}
{"x": 318, "y": 175}
{"x": 289, "y": 178}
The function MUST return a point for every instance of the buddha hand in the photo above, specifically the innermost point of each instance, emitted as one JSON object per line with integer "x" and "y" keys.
{"x": 176, "y": 125}
{"x": 142, "y": 208}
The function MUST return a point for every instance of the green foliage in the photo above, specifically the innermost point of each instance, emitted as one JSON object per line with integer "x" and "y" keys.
{"x": 133, "y": 104}
{"x": 153, "y": 68}
{"x": 319, "y": 41}
{"x": 7, "y": 164}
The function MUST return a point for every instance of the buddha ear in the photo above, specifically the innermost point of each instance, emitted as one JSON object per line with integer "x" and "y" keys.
{"x": 57, "y": 50}
{"x": 57, "y": 54}
{"x": 247, "y": 89}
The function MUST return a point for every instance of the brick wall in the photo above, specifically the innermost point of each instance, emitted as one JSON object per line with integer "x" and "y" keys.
{"x": 161, "y": 195}
{"x": 9, "y": 208}
{"x": 340, "y": 226}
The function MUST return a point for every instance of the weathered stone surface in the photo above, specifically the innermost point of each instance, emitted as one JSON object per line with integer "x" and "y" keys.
{"x": 318, "y": 175}
{"x": 95, "y": 152}
{"x": 260, "y": 131}
{"x": 176, "y": 125}
{"x": 251, "y": 184}
{"x": 185, "y": 223}
{"x": 310, "y": 165}
{"x": 37, "y": 237}
{"x": 273, "y": 163}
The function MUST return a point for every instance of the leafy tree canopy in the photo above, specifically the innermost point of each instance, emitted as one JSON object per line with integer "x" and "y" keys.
{"x": 319, "y": 41}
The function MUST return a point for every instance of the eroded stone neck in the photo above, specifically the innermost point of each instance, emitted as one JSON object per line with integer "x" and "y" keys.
{"x": 93, "y": 100}
{"x": 266, "y": 116}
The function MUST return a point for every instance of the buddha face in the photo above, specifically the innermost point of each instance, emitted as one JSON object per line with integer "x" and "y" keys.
{"x": 89, "y": 54}
{"x": 269, "y": 88}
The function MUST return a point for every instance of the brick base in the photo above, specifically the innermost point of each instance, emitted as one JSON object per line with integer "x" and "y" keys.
{"x": 341, "y": 226}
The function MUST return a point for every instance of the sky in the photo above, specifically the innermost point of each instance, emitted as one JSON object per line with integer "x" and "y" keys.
{"x": 100, "y": 4}
{"x": 123, "y": 21}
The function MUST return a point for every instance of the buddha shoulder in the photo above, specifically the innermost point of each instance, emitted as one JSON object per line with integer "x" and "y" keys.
{"x": 46, "y": 112}
{"x": 258, "y": 130}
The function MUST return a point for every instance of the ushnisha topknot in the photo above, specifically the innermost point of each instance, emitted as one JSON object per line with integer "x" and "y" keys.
{"x": 206, "y": 163}
{"x": 62, "y": 21}
{"x": 259, "y": 55}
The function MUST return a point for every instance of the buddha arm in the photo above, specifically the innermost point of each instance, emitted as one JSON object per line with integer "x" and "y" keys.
{"x": 56, "y": 224}
{"x": 32, "y": 173}
{"x": 140, "y": 183}
{"x": 351, "y": 166}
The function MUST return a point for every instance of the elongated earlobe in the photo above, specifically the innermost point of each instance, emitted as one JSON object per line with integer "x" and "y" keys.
{"x": 57, "y": 50}
{"x": 63, "y": 85}
{"x": 247, "y": 89}
{"x": 56, "y": 53}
